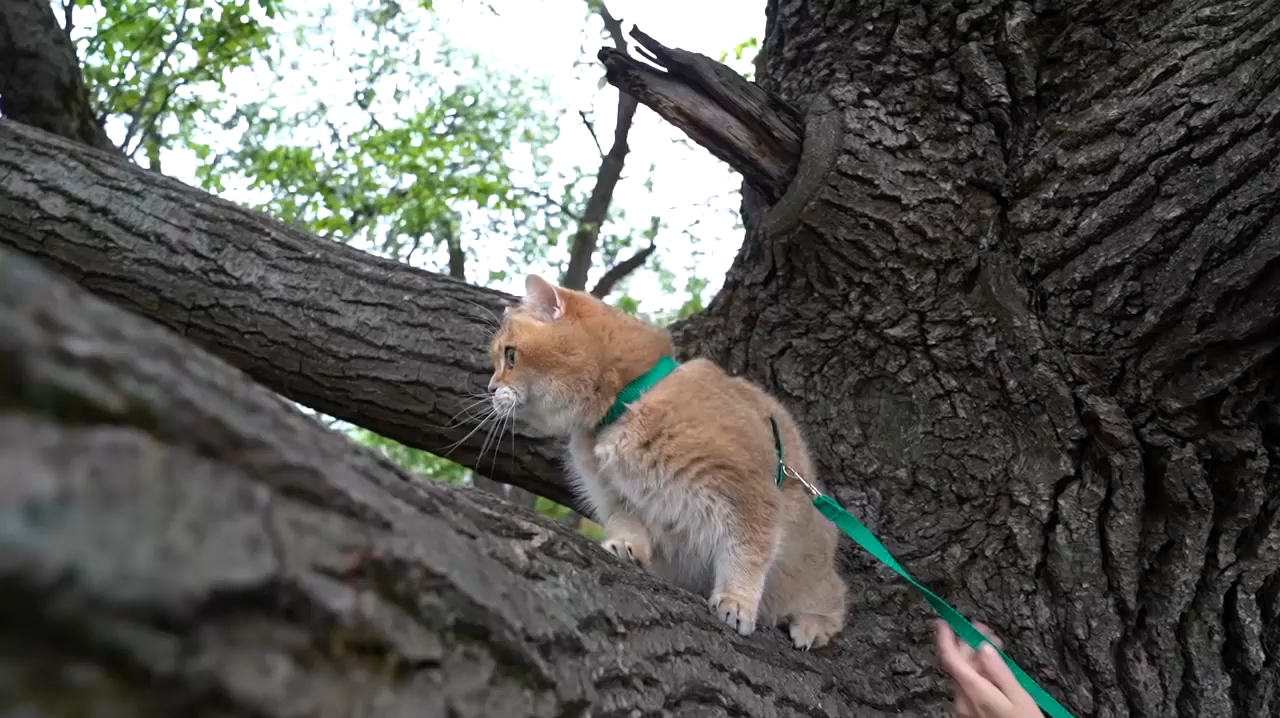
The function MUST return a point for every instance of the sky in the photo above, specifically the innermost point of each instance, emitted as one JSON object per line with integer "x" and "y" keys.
{"x": 690, "y": 187}
{"x": 556, "y": 40}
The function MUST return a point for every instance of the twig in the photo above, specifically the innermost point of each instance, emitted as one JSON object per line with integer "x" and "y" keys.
{"x": 549, "y": 200}
{"x": 68, "y": 17}
{"x": 179, "y": 34}
{"x": 592, "y": 129}
{"x": 619, "y": 271}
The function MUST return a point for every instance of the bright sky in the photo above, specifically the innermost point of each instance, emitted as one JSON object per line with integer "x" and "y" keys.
{"x": 547, "y": 38}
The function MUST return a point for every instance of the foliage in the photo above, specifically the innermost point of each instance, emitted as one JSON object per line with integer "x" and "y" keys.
{"x": 156, "y": 69}
{"x": 419, "y": 152}
{"x": 742, "y": 56}
{"x": 419, "y": 462}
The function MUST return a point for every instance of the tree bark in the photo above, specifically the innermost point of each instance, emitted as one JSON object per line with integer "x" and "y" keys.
{"x": 40, "y": 80}
{"x": 394, "y": 349}
{"x": 1022, "y": 288}
{"x": 178, "y": 541}
{"x": 1025, "y": 295}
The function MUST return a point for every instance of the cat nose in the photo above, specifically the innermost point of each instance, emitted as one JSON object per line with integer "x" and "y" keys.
{"x": 493, "y": 382}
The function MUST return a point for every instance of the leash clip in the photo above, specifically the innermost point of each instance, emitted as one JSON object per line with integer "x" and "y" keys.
{"x": 796, "y": 475}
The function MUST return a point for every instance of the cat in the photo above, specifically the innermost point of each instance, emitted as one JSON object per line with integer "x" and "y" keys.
{"x": 684, "y": 481}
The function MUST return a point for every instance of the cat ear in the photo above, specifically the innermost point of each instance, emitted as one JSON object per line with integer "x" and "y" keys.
{"x": 543, "y": 297}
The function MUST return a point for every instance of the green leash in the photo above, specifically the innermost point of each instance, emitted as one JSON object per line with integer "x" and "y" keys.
{"x": 854, "y": 529}
{"x": 861, "y": 535}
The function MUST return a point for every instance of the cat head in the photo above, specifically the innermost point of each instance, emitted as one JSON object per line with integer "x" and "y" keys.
{"x": 561, "y": 356}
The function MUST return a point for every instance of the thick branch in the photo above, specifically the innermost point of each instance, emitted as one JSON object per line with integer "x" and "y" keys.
{"x": 177, "y": 537}
{"x": 597, "y": 209}
{"x": 758, "y": 135}
{"x": 377, "y": 343}
{"x": 41, "y": 84}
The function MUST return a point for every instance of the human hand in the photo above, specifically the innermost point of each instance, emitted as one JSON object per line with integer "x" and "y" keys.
{"x": 985, "y": 687}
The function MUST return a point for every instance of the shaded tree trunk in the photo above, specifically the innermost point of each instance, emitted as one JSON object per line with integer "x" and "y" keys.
{"x": 1025, "y": 295}
{"x": 1020, "y": 282}
{"x": 40, "y": 80}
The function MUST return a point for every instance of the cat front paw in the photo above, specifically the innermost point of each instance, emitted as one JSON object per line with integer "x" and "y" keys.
{"x": 632, "y": 549}
{"x": 812, "y": 631}
{"x": 736, "y": 612}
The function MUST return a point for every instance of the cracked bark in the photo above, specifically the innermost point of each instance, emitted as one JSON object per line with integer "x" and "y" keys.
{"x": 1030, "y": 312}
{"x": 178, "y": 541}
{"x": 1020, "y": 285}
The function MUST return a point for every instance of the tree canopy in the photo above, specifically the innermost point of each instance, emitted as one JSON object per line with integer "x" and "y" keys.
{"x": 361, "y": 123}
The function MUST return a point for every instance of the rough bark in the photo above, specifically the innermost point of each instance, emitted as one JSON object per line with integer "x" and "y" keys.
{"x": 1029, "y": 311}
{"x": 40, "y": 80}
{"x": 1022, "y": 292}
{"x": 178, "y": 541}
{"x": 374, "y": 342}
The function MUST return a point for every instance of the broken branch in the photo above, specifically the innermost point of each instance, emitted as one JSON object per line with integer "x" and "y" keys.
{"x": 737, "y": 121}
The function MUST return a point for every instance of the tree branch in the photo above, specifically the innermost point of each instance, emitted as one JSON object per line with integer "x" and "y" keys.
{"x": 737, "y": 121}
{"x": 68, "y": 17}
{"x": 179, "y": 34}
{"x": 587, "y": 237}
{"x": 190, "y": 526}
{"x": 457, "y": 257}
{"x": 619, "y": 271}
{"x": 382, "y": 345}
{"x": 41, "y": 84}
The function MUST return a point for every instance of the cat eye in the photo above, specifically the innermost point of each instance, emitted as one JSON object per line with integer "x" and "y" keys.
{"x": 511, "y": 356}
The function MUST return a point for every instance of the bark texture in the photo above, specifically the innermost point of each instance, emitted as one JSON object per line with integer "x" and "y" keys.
{"x": 178, "y": 541}
{"x": 382, "y": 345}
{"x": 1021, "y": 285}
{"x": 40, "y": 81}
{"x": 1030, "y": 314}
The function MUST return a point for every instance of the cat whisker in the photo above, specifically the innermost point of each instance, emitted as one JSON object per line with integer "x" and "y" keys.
{"x": 468, "y": 409}
{"x": 473, "y": 415}
{"x": 493, "y": 318}
{"x": 507, "y": 416}
{"x": 488, "y": 438}
{"x": 481, "y": 423}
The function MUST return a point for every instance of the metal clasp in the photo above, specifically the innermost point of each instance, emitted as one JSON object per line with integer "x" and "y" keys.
{"x": 796, "y": 475}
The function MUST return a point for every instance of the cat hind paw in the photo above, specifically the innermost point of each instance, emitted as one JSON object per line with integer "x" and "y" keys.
{"x": 812, "y": 631}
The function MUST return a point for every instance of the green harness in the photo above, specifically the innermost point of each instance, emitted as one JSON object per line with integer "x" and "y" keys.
{"x": 854, "y": 529}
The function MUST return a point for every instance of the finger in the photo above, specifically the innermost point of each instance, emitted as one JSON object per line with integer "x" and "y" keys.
{"x": 978, "y": 689}
{"x": 944, "y": 634}
{"x": 997, "y": 672}
{"x": 991, "y": 636}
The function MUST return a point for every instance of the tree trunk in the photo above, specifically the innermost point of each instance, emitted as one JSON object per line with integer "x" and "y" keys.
{"x": 178, "y": 541}
{"x": 1025, "y": 296}
{"x": 394, "y": 349}
{"x": 40, "y": 80}
{"x": 1022, "y": 288}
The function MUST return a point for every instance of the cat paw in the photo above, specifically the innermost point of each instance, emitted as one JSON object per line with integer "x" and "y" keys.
{"x": 811, "y": 631}
{"x": 630, "y": 550}
{"x": 736, "y": 613}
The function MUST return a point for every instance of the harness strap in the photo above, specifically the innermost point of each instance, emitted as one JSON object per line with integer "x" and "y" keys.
{"x": 782, "y": 451}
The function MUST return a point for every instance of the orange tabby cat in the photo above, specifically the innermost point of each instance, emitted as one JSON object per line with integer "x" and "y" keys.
{"x": 684, "y": 482}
